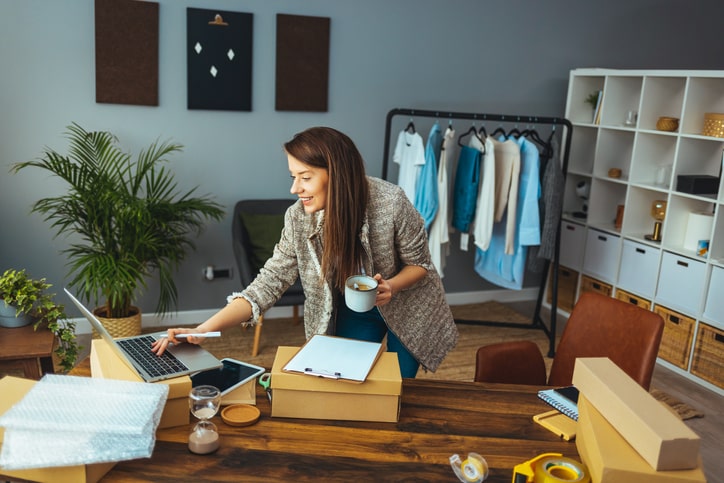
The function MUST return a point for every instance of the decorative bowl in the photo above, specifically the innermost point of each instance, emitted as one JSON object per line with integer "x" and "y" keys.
{"x": 667, "y": 124}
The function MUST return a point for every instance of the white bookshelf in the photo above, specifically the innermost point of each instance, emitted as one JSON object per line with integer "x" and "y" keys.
{"x": 664, "y": 276}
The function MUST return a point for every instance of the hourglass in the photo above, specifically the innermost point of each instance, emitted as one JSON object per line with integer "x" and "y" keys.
{"x": 204, "y": 402}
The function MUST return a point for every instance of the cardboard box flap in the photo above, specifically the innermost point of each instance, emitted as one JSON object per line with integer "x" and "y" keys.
{"x": 610, "y": 458}
{"x": 384, "y": 378}
{"x": 661, "y": 438}
{"x": 105, "y": 363}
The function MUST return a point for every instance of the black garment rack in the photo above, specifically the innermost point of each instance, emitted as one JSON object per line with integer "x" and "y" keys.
{"x": 537, "y": 322}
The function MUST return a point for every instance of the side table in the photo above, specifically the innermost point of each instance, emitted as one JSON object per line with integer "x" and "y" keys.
{"x": 31, "y": 350}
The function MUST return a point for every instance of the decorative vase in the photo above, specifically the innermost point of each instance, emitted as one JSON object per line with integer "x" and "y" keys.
{"x": 10, "y": 320}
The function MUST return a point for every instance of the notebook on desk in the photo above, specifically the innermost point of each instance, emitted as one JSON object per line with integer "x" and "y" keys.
{"x": 136, "y": 352}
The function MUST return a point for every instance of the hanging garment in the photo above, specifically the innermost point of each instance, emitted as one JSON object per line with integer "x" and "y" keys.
{"x": 507, "y": 174}
{"x": 426, "y": 195}
{"x": 410, "y": 155}
{"x": 439, "y": 238}
{"x": 485, "y": 210}
{"x": 467, "y": 182}
{"x": 494, "y": 264}
{"x": 552, "y": 189}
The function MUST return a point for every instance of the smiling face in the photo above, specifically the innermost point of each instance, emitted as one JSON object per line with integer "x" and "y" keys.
{"x": 309, "y": 183}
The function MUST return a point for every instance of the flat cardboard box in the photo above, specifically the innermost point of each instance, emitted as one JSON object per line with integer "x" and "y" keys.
{"x": 106, "y": 363}
{"x": 297, "y": 395}
{"x": 13, "y": 390}
{"x": 610, "y": 459}
{"x": 662, "y": 439}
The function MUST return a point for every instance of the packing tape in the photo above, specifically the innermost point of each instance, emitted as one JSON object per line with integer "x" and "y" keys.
{"x": 560, "y": 469}
{"x": 551, "y": 468}
{"x": 474, "y": 469}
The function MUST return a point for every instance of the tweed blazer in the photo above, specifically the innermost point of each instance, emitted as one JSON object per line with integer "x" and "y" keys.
{"x": 393, "y": 236}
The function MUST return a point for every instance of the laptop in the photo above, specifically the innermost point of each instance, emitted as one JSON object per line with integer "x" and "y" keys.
{"x": 135, "y": 351}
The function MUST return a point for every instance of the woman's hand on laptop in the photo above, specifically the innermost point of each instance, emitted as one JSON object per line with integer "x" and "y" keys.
{"x": 173, "y": 336}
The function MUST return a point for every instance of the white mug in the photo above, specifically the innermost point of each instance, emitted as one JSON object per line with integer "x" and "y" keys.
{"x": 360, "y": 293}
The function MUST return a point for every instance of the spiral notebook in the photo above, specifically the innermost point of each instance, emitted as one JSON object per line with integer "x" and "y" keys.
{"x": 564, "y": 399}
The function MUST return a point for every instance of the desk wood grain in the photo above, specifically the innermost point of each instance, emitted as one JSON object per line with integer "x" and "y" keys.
{"x": 437, "y": 419}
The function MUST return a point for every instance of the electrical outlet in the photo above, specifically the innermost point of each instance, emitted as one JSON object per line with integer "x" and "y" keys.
{"x": 211, "y": 273}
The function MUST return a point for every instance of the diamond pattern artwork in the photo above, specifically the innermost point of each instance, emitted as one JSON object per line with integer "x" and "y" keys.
{"x": 219, "y": 47}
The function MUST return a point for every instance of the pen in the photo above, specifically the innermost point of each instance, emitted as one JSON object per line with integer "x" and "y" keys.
{"x": 200, "y": 334}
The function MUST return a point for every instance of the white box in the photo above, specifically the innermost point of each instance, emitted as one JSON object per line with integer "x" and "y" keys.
{"x": 573, "y": 240}
{"x": 602, "y": 255}
{"x": 639, "y": 268}
{"x": 714, "y": 310}
{"x": 681, "y": 283}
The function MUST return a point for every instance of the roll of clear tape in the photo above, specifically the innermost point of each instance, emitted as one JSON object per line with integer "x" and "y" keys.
{"x": 474, "y": 469}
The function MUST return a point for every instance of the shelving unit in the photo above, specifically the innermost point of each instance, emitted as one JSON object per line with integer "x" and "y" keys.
{"x": 668, "y": 276}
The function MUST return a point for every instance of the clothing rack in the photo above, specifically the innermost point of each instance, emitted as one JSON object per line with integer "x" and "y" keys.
{"x": 537, "y": 321}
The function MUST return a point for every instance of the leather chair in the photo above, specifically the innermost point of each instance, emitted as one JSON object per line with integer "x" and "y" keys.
{"x": 598, "y": 326}
{"x": 256, "y": 228}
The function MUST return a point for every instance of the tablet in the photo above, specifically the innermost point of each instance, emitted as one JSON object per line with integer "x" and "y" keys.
{"x": 229, "y": 376}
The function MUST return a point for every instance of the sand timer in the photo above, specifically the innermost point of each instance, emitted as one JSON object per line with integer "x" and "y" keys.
{"x": 204, "y": 402}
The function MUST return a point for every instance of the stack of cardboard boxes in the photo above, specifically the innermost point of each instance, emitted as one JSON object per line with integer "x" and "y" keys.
{"x": 625, "y": 435}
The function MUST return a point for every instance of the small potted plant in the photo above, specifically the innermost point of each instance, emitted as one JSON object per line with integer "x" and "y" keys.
{"x": 26, "y": 300}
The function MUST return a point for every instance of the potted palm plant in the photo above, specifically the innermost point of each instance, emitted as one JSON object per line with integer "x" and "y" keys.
{"x": 128, "y": 220}
{"x": 25, "y": 301}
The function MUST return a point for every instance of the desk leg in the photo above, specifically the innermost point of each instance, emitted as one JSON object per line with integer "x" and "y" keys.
{"x": 31, "y": 368}
{"x": 46, "y": 365}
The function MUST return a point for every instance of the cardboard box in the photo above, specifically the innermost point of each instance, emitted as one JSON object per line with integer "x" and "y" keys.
{"x": 302, "y": 396}
{"x": 662, "y": 439}
{"x": 13, "y": 390}
{"x": 106, "y": 363}
{"x": 610, "y": 459}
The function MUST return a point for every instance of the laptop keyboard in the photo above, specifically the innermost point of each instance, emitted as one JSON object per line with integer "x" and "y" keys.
{"x": 139, "y": 349}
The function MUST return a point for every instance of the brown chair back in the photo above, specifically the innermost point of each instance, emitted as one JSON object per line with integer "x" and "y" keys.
{"x": 513, "y": 362}
{"x": 601, "y": 326}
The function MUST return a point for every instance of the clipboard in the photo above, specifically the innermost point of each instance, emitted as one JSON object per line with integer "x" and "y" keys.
{"x": 557, "y": 422}
{"x": 334, "y": 357}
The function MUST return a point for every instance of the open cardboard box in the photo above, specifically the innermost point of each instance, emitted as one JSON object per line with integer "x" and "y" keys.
{"x": 662, "y": 439}
{"x": 13, "y": 389}
{"x": 105, "y": 363}
{"x": 297, "y": 395}
{"x": 610, "y": 459}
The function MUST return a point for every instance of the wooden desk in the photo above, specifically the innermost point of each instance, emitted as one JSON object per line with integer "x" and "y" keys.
{"x": 27, "y": 349}
{"x": 437, "y": 419}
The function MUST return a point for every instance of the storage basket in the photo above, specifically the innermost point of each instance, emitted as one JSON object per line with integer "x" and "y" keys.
{"x": 708, "y": 362}
{"x": 589, "y": 284}
{"x": 123, "y": 327}
{"x": 630, "y": 298}
{"x": 713, "y": 125}
{"x": 567, "y": 283}
{"x": 676, "y": 341}
{"x": 670, "y": 124}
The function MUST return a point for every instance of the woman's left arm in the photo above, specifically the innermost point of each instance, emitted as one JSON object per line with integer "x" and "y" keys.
{"x": 405, "y": 278}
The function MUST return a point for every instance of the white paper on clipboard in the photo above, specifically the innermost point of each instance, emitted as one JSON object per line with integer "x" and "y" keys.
{"x": 335, "y": 358}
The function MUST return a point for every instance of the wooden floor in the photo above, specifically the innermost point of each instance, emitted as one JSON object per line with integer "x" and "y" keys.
{"x": 710, "y": 428}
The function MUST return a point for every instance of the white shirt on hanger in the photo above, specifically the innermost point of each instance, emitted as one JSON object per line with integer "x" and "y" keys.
{"x": 485, "y": 210}
{"x": 410, "y": 155}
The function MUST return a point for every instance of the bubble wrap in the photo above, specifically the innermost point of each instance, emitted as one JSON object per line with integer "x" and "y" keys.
{"x": 68, "y": 420}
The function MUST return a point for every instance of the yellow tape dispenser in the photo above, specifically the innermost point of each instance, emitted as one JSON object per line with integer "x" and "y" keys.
{"x": 551, "y": 468}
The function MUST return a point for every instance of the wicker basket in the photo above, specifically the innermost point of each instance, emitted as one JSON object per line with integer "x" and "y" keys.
{"x": 589, "y": 284}
{"x": 667, "y": 124}
{"x": 123, "y": 327}
{"x": 713, "y": 125}
{"x": 630, "y": 298}
{"x": 676, "y": 341}
{"x": 708, "y": 355}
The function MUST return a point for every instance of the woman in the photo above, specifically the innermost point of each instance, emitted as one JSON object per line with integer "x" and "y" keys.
{"x": 346, "y": 223}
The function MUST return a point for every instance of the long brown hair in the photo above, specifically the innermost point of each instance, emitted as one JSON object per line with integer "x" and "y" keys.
{"x": 347, "y": 197}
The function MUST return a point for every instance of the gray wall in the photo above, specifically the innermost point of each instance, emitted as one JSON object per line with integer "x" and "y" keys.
{"x": 457, "y": 55}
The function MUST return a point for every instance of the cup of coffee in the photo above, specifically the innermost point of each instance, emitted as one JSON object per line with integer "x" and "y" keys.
{"x": 360, "y": 293}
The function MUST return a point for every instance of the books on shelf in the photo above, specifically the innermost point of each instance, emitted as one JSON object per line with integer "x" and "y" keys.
{"x": 597, "y": 110}
{"x": 564, "y": 399}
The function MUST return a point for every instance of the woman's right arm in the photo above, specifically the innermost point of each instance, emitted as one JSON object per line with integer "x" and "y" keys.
{"x": 235, "y": 312}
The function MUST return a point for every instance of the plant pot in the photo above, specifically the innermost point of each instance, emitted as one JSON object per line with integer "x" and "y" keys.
{"x": 119, "y": 327}
{"x": 10, "y": 320}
